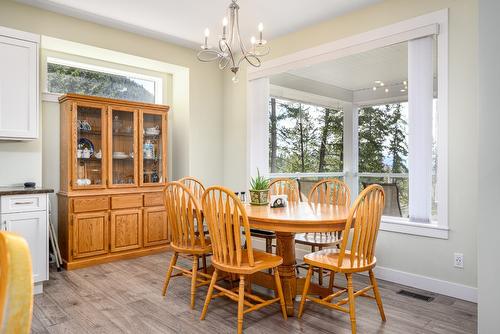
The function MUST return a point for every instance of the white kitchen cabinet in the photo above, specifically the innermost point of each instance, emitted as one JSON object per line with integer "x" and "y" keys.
{"x": 32, "y": 226}
{"x": 19, "y": 85}
{"x": 27, "y": 216}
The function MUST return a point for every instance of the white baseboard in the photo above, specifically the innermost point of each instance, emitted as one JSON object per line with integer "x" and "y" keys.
{"x": 435, "y": 285}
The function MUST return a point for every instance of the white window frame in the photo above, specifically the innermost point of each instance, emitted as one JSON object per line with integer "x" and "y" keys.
{"x": 425, "y": 25}
{"x": 101, "y": 69}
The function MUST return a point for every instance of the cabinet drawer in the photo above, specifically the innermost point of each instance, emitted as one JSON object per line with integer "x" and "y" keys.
{"x": 88, "y": 204}
{"x": 126, "y": 201}
{"x": 154, "y": 199}
{"x": 23, "y": 203}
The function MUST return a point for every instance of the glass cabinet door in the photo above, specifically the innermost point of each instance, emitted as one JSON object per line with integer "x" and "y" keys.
{"x": 122, "y": 150}
{"x": 153, "y": 147}
{"x": 88, "y": 146}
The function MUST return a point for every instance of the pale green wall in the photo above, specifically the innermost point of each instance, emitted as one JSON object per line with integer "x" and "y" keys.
{"x": 200, "y": 145}
{"x": 419, "y": 255}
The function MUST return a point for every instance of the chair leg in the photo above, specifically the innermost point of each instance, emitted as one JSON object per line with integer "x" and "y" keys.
{"x": 248, "y": 284}
{"x": 377, "y": 295}
{"x": 352, "y": 306}
{"x": 332, "y": 280}
{"x": 320, "y": 271}
{"x": 204, "y": 260}
{"x": 173, "y": 261}
{"x": 241, "y": 299}
{"x": 279, "y": 289}
{"x": 269, "y": 249}
{"x": 193, "y": 280}
{"x": 269, "y": 245}
{"x": 209, "y": 294}
{"x": 306, "y": 289}
{"x": 297, "y": 268}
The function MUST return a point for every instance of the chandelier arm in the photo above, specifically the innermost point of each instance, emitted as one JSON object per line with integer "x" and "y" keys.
{"x": 229, "y": 53}
{"x": 248, "y": 57}
{"x": 215, "y": 55}
{"x": 240, "y": 41}
{"x": 233, "y": 8}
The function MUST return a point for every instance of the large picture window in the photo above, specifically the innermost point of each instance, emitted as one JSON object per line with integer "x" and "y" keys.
{"x": 71, "y": 77}
{"x": 383, "y": 153}
{"x": 304, "y": 138}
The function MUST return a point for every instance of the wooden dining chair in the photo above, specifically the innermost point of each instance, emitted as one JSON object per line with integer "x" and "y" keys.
{"x": 226, "y": 217}
{"x": 197, "y": 189}
{"x": 329, "y": 191}
{"x": 187, "y": 234}
{"x": 364, "y": 218}
{"x": 16, "y": 284}
{"x": 278, "y": 186}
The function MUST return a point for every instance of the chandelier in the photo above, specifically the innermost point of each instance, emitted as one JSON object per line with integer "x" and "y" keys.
{"x": 231, "y": 50}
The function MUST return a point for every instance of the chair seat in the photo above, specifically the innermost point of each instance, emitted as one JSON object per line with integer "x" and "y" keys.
{"x": 329, "y": 259}
{"x": 262, "y": 260}
{"x": 255, "y": 232}
{"x": 197, "y": 249}
{"x": 318, "y": 239}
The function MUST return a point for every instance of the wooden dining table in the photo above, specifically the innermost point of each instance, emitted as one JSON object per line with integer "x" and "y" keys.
{"x": 295, "y": 218}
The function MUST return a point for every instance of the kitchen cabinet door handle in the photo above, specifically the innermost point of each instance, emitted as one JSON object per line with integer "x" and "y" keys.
{"x": 23, "y": 203}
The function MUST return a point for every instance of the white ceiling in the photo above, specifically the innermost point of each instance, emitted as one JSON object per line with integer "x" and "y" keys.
{"x": 183, "y": 21}
{"x": 359, "y": 71}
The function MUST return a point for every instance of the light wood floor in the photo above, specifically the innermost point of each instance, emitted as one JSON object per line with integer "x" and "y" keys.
{"x": 125, "y": 297}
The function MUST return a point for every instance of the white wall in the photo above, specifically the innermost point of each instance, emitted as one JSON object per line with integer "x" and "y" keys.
{"x": 420, "y": 256}
{"x": 489, "y": 182}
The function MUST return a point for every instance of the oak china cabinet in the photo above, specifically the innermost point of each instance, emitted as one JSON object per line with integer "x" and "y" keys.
{"x": 113, "y": 171}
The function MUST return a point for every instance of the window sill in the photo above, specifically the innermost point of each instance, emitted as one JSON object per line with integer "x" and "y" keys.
{"x": 398, "y": 225}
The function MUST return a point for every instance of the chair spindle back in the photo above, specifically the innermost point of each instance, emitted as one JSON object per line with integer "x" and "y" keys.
{"x": 184, "y": 216}
{"x": 225, "y": 215}
{"x": 330, "y": 191}
{"x": 195, "y": 186}
{"x": 285, "y": 186}
{"x": 365, "y": 215}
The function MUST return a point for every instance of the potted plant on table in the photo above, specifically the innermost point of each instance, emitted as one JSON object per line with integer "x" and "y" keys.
{"x": 259, "y": 190}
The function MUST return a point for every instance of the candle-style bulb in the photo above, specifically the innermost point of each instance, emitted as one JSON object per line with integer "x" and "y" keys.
{"x": 253, "y": 40}
{"x": 224, "y": 21}
{"x": 207, "y": 32}
{"x": 261, "y": 27}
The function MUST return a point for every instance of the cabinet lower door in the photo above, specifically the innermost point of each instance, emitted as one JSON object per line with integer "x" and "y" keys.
{"x": 155, "y": 226}
{"x": 90, "y": 234}
{"x": 126, "y": 229}
{"x": 32, "y": 226}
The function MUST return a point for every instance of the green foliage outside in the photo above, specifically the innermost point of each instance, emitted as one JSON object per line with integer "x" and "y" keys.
{"x": 66, "y": 79}
{"x": 305, "y": 138}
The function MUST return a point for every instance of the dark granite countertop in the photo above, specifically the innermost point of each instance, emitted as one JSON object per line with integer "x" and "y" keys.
{"x": 6, "y": 191}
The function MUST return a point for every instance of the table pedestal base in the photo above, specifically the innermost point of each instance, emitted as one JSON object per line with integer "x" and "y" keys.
{"x": 292, "y": 285}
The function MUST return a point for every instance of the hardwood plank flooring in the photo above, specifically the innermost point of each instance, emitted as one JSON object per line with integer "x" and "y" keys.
{"x": 125, "y": 297}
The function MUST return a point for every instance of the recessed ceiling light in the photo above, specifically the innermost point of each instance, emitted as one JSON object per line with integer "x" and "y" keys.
{"x": 387, "y": 90}
{"x": 403, "y": 90}
{"x": 377, "y": 81}
{"x": 405, "y": 82}
{"x": 374, "y": 88}
{"x": 381, "y": 84}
